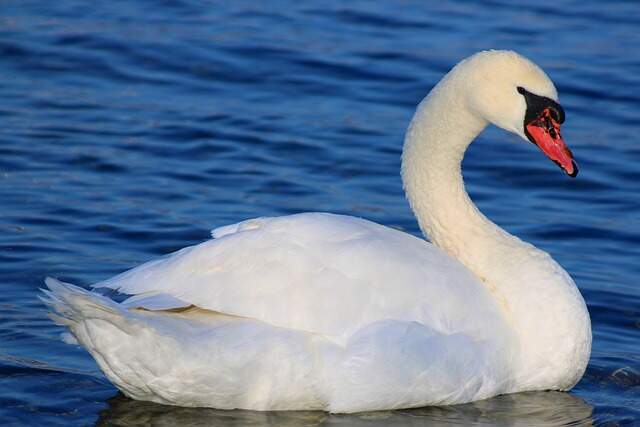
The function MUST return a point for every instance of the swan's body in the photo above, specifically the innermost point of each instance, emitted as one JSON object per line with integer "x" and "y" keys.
{"x": 321, "y": 311}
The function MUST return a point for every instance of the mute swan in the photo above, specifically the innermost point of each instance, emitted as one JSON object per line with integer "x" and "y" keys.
{"x": 336, "y": 313}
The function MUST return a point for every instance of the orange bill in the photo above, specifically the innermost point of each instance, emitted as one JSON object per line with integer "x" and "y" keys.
{"x": 544, "y": 131}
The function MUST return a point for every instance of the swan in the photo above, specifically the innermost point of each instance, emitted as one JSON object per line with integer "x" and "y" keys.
{"x": 317, "y": 311}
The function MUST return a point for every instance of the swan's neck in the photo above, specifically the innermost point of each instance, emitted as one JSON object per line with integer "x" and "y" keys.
{"x": 436, "y": 141}
{"x": 538, "y": 298}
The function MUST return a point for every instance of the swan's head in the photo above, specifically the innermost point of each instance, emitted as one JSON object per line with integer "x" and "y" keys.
{"x": 513, "y": 93}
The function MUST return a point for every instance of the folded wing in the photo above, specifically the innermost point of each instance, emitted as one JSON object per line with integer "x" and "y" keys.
{"x": 315, "y": 272}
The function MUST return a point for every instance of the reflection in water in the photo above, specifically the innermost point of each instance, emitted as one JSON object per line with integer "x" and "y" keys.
{"x": 523, "y": 409}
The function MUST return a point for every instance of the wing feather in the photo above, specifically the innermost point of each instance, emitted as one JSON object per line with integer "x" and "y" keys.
{"x": 316, "y": 272}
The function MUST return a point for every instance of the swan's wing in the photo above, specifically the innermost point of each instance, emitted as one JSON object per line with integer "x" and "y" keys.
{"x": 315, "y": 272}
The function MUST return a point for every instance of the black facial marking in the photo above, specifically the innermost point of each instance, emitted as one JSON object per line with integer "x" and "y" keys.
{"x": 537, "y": 104}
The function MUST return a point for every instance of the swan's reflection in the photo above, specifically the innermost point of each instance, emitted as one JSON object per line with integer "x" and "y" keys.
{"x": 523, "y": 409}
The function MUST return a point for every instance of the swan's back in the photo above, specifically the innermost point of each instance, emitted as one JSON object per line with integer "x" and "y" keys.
{"x": 317, "y": 272}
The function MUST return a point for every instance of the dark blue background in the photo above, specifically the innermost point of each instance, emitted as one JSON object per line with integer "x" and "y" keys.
{"x": 129, "y": 129}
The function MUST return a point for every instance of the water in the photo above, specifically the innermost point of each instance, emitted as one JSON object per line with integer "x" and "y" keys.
{"x": 130, "y": 129}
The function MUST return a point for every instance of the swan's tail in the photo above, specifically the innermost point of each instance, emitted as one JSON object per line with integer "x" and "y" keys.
{"x": 72, "y": 306}
{"x": 111, "y": 333}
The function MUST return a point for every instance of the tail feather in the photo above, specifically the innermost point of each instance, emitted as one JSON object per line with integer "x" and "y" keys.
{"x": 106, "y": 329}
{"x": 71, "y": 304}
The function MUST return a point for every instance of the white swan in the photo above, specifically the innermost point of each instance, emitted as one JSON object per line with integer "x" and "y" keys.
{"x": 330, "y": 312}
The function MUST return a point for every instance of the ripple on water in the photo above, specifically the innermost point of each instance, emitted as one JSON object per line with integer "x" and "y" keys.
{"x": 130, "y": 131}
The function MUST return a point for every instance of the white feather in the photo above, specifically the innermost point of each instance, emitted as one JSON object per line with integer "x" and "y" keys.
{"x": 322, "y": 311}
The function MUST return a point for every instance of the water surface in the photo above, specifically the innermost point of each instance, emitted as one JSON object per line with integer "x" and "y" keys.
{"x": 130, "y": 129}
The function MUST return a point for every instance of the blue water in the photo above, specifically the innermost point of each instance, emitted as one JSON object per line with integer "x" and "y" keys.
{"x": 130, "y": 129}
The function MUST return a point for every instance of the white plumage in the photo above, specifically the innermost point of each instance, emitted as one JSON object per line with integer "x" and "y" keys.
{"x": 322, "y": 311}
